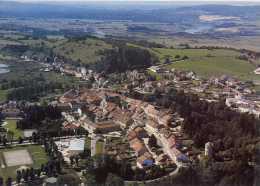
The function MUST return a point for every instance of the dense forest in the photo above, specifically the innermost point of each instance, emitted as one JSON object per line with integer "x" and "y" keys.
{"x": 33, "y": 91}
{"x": 44, "y": 118}
{"x": 124, "y": 58}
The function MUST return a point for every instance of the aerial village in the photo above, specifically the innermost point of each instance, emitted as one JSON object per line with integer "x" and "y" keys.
{"x": 134, "y": 128}
{"x": 153, "y": 135}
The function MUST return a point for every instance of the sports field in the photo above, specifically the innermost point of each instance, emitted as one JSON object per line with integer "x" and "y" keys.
{"x": 12, "y": 159}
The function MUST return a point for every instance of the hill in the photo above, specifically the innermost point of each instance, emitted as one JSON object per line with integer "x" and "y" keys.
{"x": 85, "y": 51}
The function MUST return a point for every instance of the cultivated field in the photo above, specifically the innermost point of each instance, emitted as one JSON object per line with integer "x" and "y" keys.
{"x": 238, "y": 42}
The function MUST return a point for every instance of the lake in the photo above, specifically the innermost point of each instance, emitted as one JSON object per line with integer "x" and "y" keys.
{"x": 199, "y": 29}
{"x": 4, "y": 68}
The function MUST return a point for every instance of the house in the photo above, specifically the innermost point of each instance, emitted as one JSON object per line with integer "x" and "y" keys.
{"x": 151, "y": 111}
{"x": 140, "y": 132}
{"x": 69, "y": 96}
{"x": 131, "y": 135}
{"x": 71, "y": 125}
{"x": 145, "y": 160}
{"x": 138, "y": 146}
{"x": 123, "y": 118}
{"x": 103, "y": 127}
{"x": 165, "y": 118}
{"x": 64, "y": 107}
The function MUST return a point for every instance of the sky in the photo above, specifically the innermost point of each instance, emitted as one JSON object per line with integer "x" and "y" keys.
{"x": 180, "y": 2}
{"x": 207, "y": 1}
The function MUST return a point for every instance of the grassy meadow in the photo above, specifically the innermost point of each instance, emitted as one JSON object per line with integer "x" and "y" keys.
{"x": 206, "y": 63}
{"x": 84, "y": 51}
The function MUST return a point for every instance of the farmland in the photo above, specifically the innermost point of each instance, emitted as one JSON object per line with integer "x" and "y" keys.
{"x": 206, "y": 63}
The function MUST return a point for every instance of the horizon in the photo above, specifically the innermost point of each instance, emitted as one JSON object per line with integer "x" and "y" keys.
{"x": 242, "y": 2}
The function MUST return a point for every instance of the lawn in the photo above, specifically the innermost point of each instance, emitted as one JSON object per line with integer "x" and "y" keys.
{"x": 36, "y": 152}
{"x": 11, "y": 126}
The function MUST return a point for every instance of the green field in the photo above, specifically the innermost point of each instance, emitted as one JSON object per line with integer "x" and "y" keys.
{"x": 11, "y": 126}
{"x": 84, "y": 51}
{"x": 208, "y": 63}
{"x": 36, "y": 152}
{"x": 195, "y": 54}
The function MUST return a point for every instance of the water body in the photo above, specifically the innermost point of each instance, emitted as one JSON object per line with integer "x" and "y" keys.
{"x": 4, "y": 69}
{"x": 199, "y": 29}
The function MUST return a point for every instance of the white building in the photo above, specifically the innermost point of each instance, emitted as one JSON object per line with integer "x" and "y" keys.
{"x": 208, "y": 149}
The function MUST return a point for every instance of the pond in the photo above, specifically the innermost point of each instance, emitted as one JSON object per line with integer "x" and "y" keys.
{"x": 4, "y": 68}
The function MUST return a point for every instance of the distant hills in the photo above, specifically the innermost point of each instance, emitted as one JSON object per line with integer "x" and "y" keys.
{"x": 169, "y": 13}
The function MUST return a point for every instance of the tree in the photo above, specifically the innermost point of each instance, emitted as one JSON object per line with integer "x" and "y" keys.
{"x": 72, "y": 160}
{"x": 167, "y": 59}
{"x": 20, "y": 140}
{"x": 114, "y": 180}
{"x": 10, "y": 136}
{"x": 18, "y": 176}
{"x": 90, "y": 179}
{"x": 32, "y": 174}
{"x": 152, "y": 142}
{"x": 9, "y": 182}
{"x": 77, "y": 160}
{"x": 4, "y": 141}
{"x": 1, "y": 181}
{"x": 185, "y": 57}
{"x": 68, "y": 179}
